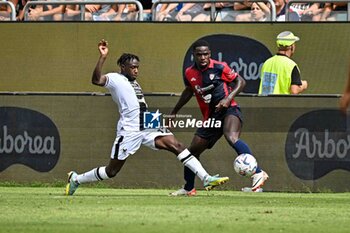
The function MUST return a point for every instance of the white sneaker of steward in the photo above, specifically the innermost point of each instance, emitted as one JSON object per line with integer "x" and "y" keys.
{"x": 259, "y": 180}
{"x": 183, "y": 192}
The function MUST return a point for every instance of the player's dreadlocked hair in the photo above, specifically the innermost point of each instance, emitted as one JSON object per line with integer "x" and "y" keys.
{"x": 126, "y": 57}
{"x": 200, "y": 43}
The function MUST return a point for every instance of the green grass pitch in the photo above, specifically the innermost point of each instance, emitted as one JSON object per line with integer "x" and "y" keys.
{"x": 46, "y": 209}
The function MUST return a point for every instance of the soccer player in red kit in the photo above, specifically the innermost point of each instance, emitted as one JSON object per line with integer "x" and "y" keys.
{"x": 215, "y": 85}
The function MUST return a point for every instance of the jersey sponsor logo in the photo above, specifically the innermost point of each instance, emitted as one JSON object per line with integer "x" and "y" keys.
{"x": 318, "y": 142}
{"x": 244, "y": 55}
{"x": 28, "y": 137}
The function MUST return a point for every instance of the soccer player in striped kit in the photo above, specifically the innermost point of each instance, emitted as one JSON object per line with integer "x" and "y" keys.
{"x": 128, "y": 95}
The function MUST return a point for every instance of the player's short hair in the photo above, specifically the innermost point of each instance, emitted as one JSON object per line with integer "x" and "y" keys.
{"x": 200, "y": 43}
{"x": 126, "y": 57}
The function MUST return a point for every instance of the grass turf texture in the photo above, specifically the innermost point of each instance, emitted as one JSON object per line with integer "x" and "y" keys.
{"x": 46, "y": 209}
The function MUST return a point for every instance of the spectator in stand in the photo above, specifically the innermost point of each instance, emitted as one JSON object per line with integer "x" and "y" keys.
{"x": 239, "y": 8}
{"x": 306, "y": 11}
{"x": 190, "y": 11}
{"x": 91, "y": 10}
{"x": 147, "y": 10}
{"x": 73, "y": 12}
{"x": 221, "y": 10}
{"x": 168, "y": 12}
{"x": 259, "y": 12}
{"x": 131, "y": 12}
{"x": 242, "y": 6}
{"x": 116, "y": 12}
{"x": 106, "y": 13}
{"x": 311, "y": 13}
{"x": 298, "y": 8}
{"x": 280, "y": 10}
{"x": 5, "y": 10}
{"x": 46, "y": 13}
{"x": 334, "y": 12}
{"x": 19, "y": 8}
{"x": 125, "y": 12}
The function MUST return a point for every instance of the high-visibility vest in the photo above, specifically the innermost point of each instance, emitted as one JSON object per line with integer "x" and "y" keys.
{"x": 276, "y": 75}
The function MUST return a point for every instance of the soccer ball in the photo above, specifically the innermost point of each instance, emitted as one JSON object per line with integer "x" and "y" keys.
{"x": 245, "y": 165}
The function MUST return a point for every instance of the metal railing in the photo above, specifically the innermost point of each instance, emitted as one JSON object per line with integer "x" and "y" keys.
{"x": 13, "y": 9}
{"x": 291, "y": 2}
{"x": 212, "y": 8}
{"x": 82, "y": 3}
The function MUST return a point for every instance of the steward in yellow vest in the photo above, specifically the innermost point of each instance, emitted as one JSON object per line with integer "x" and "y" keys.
{"x": 280, "y": 74}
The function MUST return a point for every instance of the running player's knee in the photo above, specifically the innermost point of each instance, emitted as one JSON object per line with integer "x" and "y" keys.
{"x": 175, "y": 146}
{"x": 232, "y": 137}
{"x": 111, "y": 172}
{"x": 178, "y": 146}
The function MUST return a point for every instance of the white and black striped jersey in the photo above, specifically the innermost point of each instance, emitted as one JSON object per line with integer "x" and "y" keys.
{"x": 130, "y": 100}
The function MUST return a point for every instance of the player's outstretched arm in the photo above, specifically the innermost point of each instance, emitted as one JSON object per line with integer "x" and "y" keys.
{"x": 97, "y": 77}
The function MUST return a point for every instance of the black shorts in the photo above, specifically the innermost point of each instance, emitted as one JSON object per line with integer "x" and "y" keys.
{"x": 212, "y": 135}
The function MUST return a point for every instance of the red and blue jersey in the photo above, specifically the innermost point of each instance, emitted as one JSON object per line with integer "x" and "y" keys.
{"x": 210, "y": 85}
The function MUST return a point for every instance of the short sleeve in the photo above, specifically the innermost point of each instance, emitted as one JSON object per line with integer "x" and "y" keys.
{"x": 185, "y": 80}
{"x": 110, "y": 81}
{"x": 228, "y": 74}
{"x": 296, "y": 80}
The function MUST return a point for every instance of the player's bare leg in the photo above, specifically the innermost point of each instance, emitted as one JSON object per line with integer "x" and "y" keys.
{"x": 171, "y": 144}
{"x": 96, "y": 174}
{"x": 232, "y": 131}
{"x": 197, "y": 147}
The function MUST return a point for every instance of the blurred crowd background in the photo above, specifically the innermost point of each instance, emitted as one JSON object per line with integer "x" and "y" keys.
{"x": 174, "y": 10}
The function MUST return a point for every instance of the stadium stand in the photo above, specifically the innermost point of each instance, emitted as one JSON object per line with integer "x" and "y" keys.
{"x": 320, "y": 10}
{"x": 133, "y": 10}
{"x": 83, "y": 7}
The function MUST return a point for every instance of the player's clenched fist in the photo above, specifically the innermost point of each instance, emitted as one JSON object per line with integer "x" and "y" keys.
{"x": 103, "y": 48}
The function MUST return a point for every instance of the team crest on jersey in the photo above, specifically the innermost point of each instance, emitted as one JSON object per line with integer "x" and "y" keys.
{"x": 152, "y": 120}
{"x": 193, "y": 79}
{"x": 212, "y": 76}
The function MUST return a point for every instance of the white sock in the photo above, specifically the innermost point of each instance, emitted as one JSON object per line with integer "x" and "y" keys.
{"x": 193, "y": 163}
{"x": 95, "y": 174}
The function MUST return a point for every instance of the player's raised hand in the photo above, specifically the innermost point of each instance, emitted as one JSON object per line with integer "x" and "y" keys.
{"x": 103, "y": 48}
